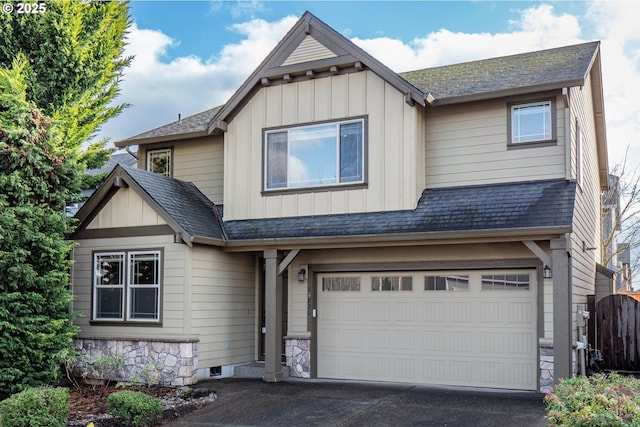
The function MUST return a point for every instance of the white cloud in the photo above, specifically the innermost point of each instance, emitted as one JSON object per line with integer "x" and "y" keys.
{"x": 159, "y": 90}
{"x": 614, "y": 23}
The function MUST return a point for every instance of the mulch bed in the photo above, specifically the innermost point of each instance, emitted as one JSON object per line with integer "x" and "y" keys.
{"x": 88, "y": 403}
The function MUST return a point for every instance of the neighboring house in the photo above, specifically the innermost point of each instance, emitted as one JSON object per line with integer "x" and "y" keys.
{"x": 439, "y": 226}
{"x": 618, "y": 257}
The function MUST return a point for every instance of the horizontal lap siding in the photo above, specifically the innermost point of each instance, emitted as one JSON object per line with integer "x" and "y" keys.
{"x": 223, "y": 306}
{"x": 172, "y": 287}
{"x": 586, "y": 227}
{"x": 467, "y": 145}
{"x": 201, "y": 161}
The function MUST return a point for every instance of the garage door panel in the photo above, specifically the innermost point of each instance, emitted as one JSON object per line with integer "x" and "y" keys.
{"x": 469, "y": 337}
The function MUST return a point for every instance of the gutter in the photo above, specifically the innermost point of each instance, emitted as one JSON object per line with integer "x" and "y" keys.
{"x": 404, "y": 239}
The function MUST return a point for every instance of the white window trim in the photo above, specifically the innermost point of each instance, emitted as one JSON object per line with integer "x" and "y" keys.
{"x": 127, "y": 286}
{"x": 288, "y": 129}
{"x": 97, "y": 286}
{"x": 151, "y": 153}
{"x": 552, "y": 122}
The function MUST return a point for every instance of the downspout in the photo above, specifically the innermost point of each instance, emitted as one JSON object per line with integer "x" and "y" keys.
{"x": 135, "y": 155}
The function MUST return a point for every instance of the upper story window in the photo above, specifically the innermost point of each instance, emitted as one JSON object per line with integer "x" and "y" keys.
{"x": 317, "y": 155}
{"x": 126, "y": 286}
{"x": 531, "y": 122}
{"x": 159, "y": 161}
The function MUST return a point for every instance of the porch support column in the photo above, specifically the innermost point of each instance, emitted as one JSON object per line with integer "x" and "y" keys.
{"x": 562, "y": 303}
{"x": 273, "y": 318}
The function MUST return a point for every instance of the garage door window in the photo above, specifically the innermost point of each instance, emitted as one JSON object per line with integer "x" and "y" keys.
{"x": 505, "y": 282}
{"x": 391, "y": 283}
{"x": 446, "y": 283}
{"x": 340, "y": 284}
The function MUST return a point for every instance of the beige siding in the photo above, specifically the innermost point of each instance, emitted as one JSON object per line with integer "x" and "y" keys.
{"x": 308, "y": 50}
{"x": 585, "y": 241}
{"x": 298, "y": 320}
{"x": 395, "y": 140}
{"x": 223, "y": 306}
{"x": 200, "y": 161}
{"x": 467, "y": 145}
{"x": 173, "y": 291}
{"x": 126, "y": 209}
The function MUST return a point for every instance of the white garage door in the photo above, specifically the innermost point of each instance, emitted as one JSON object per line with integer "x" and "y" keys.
{"x": 467, "y": 328}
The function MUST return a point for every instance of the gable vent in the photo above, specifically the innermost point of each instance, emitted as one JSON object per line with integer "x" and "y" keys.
{"x": 309, "y": 50}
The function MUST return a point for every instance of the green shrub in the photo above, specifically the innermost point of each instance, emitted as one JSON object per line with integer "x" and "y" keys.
{"x": 136, "y": 408}
{"x": 36, "y": 407}
{"x": 600, "y": 400}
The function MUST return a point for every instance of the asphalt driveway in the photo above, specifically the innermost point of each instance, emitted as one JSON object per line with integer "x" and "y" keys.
{"x": 251, "y": 402}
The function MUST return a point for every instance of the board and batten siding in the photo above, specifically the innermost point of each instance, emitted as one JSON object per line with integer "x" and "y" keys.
{"x": 125, "y": 209}
{"x": 198, "y": 160}
{"x": 223, "y": 306}
{"x": 173, "y": 287}
{"x": 467, "y": 145}
{"x": 394, "y": 147}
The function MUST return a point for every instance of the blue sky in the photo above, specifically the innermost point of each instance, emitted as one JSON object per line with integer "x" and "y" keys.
{"x": 192, "y": 55}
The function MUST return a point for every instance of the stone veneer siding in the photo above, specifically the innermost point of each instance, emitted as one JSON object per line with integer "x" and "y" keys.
{"x": 172, "y": 362}
{"x": 546, "y": 367}
{"x": 298, "y": 355}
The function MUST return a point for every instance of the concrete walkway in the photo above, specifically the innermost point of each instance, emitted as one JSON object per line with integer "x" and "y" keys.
{"x": 251, "y": 402}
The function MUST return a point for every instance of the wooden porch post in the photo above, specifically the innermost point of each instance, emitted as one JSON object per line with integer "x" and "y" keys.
{"x": 273, "y": 318}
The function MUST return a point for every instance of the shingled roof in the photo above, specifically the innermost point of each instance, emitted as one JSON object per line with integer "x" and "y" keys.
{"x": 188, "y": 127}
{"x": 180, "y": 203}
{"x": 522, "y": 205}
{"x": 533, "y": 71}
{"x": 548, "y": 69}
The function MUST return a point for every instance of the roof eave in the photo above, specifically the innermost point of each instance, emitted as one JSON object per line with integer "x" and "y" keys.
{"x": 111, "y": 185}
{"x": 157, "y": 139}
{"x": 483, "y": 96}
{"x": 513, "y": 234}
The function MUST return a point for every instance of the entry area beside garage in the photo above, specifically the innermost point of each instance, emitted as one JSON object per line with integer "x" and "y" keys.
{"x": 463, "y": 328}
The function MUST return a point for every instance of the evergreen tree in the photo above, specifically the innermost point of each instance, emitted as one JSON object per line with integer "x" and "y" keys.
{"x": 75, "y": 51}
{"x": 37, "y": 178}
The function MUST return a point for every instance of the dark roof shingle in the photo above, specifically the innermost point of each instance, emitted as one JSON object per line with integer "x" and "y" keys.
{"x": 532, "y": 204}
{"x": 182, "y": 201}
{"x": 556, "y": 67}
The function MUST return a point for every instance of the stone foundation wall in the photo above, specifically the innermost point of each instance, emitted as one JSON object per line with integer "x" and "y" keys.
{"x": 546, "y": 367}
{"x": 298, "y": 355}
{"x": 154, "y": 361}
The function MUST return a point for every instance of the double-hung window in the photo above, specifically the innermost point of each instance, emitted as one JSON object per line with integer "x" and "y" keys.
{"x": 317, "y": 155}
{"x": 531, "y": 122}
{"x": 126, "y": 286}
{"x": 159, "y": 161}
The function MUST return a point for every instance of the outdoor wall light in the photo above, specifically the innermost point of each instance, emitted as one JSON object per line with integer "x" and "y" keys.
{"x": 302, "y": 274}
{"x": 546, "y": 272}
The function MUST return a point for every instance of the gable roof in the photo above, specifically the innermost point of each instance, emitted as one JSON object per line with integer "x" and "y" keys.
{"x": 533, "y": 206}
{"x": 290, "y": 60}
{"x": 187, "y": 211}
{"x": 192, "y": 126}
{"x": 556, "y": 68}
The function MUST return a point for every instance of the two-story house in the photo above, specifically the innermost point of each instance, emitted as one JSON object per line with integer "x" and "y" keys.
{"x": 439, "y": 226}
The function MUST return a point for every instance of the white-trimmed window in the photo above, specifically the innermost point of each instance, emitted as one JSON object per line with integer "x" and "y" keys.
{"x": 531, "y": 122}
{"x": 317, "y": 155}
{"x": 159, "y": 161}
{"x": 126, "y": 286}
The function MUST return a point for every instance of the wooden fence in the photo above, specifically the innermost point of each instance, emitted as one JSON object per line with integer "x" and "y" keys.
{"x": 617, "y": 329}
